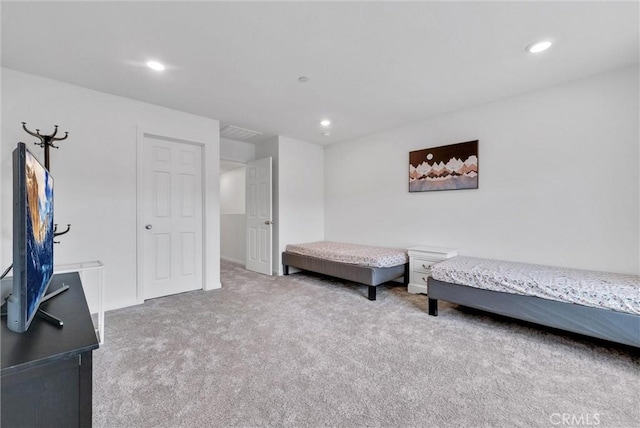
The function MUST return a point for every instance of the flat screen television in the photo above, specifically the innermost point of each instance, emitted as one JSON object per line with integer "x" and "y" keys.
{"x": 33, "y": 232}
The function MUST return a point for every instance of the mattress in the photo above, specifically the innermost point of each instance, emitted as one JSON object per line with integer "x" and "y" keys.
{"x": 617, "y": 292}
{"x": 361, "y": 255}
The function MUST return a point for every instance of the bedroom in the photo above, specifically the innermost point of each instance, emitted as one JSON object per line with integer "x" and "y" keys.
{"x": 559, "y": 174}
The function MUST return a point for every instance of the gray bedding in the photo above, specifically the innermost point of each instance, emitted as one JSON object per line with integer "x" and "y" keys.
{"x": 605, "y": 290}
{"x": 352, "y": 254}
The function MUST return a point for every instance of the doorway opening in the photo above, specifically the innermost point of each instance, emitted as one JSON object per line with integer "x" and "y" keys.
{"x": 232, "y": 211}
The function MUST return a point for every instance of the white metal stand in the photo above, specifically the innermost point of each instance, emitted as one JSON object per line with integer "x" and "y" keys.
{"x": 92, "y": 277}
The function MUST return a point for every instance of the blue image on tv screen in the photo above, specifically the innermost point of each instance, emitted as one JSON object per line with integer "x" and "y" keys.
{"x": 39, "y": 231}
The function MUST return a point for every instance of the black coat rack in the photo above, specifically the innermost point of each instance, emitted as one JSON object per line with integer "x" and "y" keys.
{"x": 46, "y": 141}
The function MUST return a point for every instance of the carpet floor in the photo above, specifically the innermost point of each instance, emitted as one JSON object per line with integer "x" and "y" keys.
{"x": 310, "y": 351}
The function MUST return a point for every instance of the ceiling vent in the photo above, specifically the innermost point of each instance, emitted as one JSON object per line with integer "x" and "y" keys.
{"x": 236, "y": 133}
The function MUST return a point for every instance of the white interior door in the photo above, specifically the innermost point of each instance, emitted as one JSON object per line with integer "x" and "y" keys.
{"x": 258, "y": 212}
{"x": 171, "y": 218}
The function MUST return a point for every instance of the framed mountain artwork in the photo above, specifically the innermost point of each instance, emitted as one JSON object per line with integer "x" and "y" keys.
{"x": 451, "y": 167}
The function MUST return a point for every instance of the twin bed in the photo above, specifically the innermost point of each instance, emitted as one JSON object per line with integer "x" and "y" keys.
{"x": 363, "y": 264}
{"x": 596, "y": 304}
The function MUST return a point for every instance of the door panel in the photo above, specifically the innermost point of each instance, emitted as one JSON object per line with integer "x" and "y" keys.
{"x": 171, "y": 203}
{"x": 258, "y": 213}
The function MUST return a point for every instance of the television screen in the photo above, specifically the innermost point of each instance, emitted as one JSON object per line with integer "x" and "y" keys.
{"x": 33, "y": 232}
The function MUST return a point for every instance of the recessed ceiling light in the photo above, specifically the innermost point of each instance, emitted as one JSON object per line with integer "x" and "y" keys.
{"x": 325, "y": 122}
{"x": 538, "y": 47}
{"x": 155, "y": 65}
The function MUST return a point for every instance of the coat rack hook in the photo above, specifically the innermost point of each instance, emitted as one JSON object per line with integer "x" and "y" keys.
{"x": 46, "y": 141}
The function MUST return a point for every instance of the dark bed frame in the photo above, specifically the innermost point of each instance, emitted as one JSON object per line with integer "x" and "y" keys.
{"x": 370, "y": 276}
{"x": 604, "y": 324}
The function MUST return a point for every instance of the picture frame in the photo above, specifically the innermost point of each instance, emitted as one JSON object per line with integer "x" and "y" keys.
{"x": 450, "y": 167}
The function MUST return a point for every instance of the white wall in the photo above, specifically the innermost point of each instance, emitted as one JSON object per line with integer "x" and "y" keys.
{"x": 95, "y": 172}
{"x": 232, "y": 190}
{"x": 301, "y": 193}
{"x": 233, "y": 237}
{"x": 237, "y": 151}
{"x": 558, "y": 180}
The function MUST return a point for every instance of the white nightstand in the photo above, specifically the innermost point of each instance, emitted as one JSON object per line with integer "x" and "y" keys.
{"x": 420, "y": 260}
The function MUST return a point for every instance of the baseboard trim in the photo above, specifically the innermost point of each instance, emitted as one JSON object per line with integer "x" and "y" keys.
{"x": 213, "y": 287}
{"x": 417, "y": 289}
{"x": 123, "y": 305}
{"x": 232, "y": 260}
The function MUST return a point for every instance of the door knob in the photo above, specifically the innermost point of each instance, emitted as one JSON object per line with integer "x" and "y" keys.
{"x": 268, "y": 222}
{"x": 148, "y": 227}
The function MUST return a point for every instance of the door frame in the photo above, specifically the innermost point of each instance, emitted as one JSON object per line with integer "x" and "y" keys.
{"x": 207, "y": 230}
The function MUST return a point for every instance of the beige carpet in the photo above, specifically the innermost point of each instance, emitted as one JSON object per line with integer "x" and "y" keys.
{"x": 305, "y": 350}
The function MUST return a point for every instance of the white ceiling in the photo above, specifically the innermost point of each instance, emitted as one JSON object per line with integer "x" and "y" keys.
{"x": 371, "y": 65}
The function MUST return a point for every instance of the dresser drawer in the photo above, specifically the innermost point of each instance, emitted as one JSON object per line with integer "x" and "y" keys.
{"x": 419, "y": 277}
{"x": 421, "y": 265}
